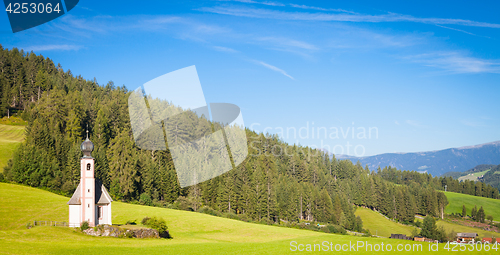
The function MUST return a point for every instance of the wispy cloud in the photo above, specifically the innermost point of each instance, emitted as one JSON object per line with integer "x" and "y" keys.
{"x": 52, "y": 47}
{"x": 455, "y": 62}
{"x": 415, "y": 124}
{"x": 287, "y": 42}
{"x": 257, "y": 2}
{"x": 396, "y": 122}
{"x": 274, "y": 68}
{"x": 302, "y": 16}
{"x": 455, "y": 29}
{"x": 224, "y": 49}
{"x": 301, "y": 6}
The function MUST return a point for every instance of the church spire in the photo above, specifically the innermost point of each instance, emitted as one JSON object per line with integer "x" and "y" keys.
{"x": 87, "y": 146}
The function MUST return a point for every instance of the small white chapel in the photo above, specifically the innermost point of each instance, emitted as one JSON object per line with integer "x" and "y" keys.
{"x": 91, "y": 201}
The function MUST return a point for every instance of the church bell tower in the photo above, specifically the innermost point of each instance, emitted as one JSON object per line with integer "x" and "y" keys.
{"x": 87, "y": 183}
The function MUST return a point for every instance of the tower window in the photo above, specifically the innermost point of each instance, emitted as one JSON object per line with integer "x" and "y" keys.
{"x": 88, "y": 167}
{"x": 89, "y": 190}
{"x": 88, "y": 205}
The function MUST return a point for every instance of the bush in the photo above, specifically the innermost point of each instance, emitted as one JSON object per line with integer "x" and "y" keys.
{"x": 130, "y": 222}
{"x": 231, "y": 215}
{"x": 2, "y": 179}
{"x": 334, "y": 229}
{"x": 158, "y": 224}
{"x": 145, "y": 199}
{"x": 28, "y": 225}
{"x": 84, "y": 226}
{"x": 145, "y": 220}
{"x": 209, "y": 211}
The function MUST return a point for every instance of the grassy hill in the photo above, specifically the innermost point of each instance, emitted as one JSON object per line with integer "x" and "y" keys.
{"x": 449, "y": 226}
{"x": 10, "y": 137}
{"x": 473, "y": 176}
{"x": 380, "y": 225}
{"x": 193, "y": 233}
{"x": 456, "y": 200}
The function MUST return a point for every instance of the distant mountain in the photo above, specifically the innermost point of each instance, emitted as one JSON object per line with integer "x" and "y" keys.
{"x": 435, "y": 162}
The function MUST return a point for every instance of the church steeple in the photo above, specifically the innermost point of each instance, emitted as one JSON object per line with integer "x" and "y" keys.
{"x": 87, "y": 146}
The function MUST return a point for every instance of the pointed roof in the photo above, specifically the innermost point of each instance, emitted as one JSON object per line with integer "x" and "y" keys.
{"x": 101, "y": 194}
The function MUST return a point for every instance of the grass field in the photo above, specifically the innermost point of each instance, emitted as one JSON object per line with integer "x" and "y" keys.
{"x": 193, "y": 233}
{"x": 456, "y": 200}
{"x": 449, "y": 226}
{"x": 379, "y": 225}
{"x": 473, "y": 177}
{"x": 10, "y": 137}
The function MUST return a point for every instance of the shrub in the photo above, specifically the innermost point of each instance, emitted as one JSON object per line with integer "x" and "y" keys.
{"x": 130, "y": 222}
{"x": 145, "y": 199}
{"x": 145, "y": 220}
{"x": 158, "y": 224}
{"x": 84, "y": 226}
{"x": 231, "y": 215}
{"x": 28, "y": 225}
{"x": 209, "y": 211}
{"x": 335, "y": 229}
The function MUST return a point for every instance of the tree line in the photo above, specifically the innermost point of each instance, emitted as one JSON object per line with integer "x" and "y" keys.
{"x": 301, "y": 184}
{"x": 479, "y": 189}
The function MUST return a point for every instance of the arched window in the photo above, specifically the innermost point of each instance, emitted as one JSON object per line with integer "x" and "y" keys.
{"x": 88, "y": 167}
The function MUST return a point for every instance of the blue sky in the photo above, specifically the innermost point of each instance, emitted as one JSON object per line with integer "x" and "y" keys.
{"x": 425, "y": 75}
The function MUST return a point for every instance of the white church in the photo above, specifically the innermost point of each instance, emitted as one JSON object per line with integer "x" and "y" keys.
{"x": 91, "y": 201}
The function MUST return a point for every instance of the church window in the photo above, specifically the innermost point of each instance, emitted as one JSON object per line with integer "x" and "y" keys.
{"x": 88, "y": 167}
{"x": 99, "y": 212}
{"x": 89, "y": 190}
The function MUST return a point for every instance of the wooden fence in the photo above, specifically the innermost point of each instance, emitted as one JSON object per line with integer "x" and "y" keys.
{"x": 50, "y": 223}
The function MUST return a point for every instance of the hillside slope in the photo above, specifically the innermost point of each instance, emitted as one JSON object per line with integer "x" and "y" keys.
{"x": 10, "y": 138}
{"x": 380, "y": 225}
{"x": 456, "y": 200}
{"x": 193, "y": 233}
{"x": 436, "y": 162}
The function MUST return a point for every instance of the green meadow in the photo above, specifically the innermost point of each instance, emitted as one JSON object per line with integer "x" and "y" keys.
{"x": 449, "y": 226}
{"x": 456, "y": 200}
{"x": 473, "y": 176}
{"x": 380, "y": 225}
{"x": 193, "y": 233}
{"x": 10, "y": 137}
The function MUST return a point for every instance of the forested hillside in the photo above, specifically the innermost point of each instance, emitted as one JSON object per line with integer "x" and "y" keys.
{"x": 276, "y": 180}
{"x": 479, "y": 189}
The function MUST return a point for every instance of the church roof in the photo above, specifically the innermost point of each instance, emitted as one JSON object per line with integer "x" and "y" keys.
{"x": 101, "y": 194}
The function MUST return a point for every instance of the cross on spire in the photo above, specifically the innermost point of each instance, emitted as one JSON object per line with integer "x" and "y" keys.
{"x": 87, "y": 131}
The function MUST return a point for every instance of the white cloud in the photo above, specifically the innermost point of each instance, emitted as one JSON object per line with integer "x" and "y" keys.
{"x": 456, "y": 62}
{"x": 52, "y": 47}
{"x": 391, "y": 17}
{"x": 256, "y": 2}
{"x": 286, "y": 42}
{"x": 301, "y": 6}
{"x": 415, "y": 124}
{"x": 396, "y": 122}
{"x": 276, "y": 69}
{"x": 224, "y": 49}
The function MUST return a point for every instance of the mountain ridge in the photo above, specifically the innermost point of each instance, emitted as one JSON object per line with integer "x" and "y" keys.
{"x": 436, "y": 162}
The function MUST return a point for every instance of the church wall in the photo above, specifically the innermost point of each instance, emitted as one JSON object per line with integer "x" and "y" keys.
{"x": 106, "y": 214}
{"x": 74, "y": 215}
